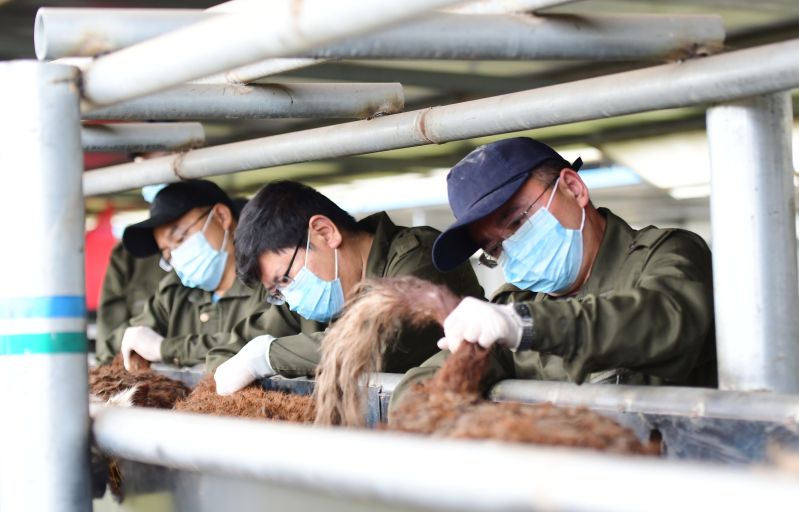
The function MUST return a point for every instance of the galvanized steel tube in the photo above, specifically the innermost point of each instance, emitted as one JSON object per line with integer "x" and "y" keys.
{"x": 206, "y": 101}
{"x": 142, "y": 136}
{"x": 79, "y": 32}
{"x": 437, "y": 36}
{"x": 752, "y": 209}
{"x": 45, "y": 434}
{"x": 252, "y": 72}
{"x": 527, "y": 37}
{"x": 665, "y": 400}
{"x": 432, "y": 473}
{"x": 264, "y": 29}
{"x": 500, "y": 6}
{"x": 721, "y": 77}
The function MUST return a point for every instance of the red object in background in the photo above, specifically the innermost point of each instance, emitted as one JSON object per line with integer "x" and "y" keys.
{"x": 99, "y": 243}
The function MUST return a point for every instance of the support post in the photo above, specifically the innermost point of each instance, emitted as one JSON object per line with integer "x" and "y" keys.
{"x": 45, "y": 443}
{"x": 753, "y": 229}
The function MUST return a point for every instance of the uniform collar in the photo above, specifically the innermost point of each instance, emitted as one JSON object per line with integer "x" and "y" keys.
{"x": 384, "y": 231}
{"x": 238, "y": 290}
{"x": 617, "y": 243}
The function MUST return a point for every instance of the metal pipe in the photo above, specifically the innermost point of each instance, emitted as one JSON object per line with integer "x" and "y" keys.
{"x": 45, "y": 439}
{"x": 672, "y": 401}
{"x": 500, "y": 6}
{"x": 142, "y": 136}
{"x": 205, "y": 101}
{"x": 78, "y": 32}
{"x": 752, "y": 208}
{"x": 720, "y": 77}
{"x": 438, "y": 36}
{"x": 527, "y": 37}
{"x": 264, "y": 29}
{"x": 252, "y": 72}
{"x": 237, "y": 76}
{"x": 341, "y": 461}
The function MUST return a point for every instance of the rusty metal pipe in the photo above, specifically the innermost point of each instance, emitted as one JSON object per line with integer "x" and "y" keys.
{"x": 732, "y": 75}
{"x": 262, "y": 29}
{"x": 67, "y": 32}
{"x": 142, "y": 136}
{"x": 207, "y": 101}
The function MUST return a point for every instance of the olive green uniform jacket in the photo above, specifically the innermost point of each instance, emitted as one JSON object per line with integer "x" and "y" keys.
{"x": 127, "y": 285}
{"x": 644, "y": 316}
{"x": 190, "y": 321}
{"x": 396, "y": 251}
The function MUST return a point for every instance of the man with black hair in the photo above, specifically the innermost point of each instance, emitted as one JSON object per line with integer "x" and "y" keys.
{"x": 195, "y": 307}
{"x": 305, "y": 254}
{"x": 588, "y": 298}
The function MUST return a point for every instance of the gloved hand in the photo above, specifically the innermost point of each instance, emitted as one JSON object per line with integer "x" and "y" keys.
{"x": 481, "y": 322}
{"x": 142, "y": 340}
{"x": 252, "y": 362}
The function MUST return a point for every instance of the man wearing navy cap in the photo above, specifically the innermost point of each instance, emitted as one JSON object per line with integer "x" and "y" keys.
{"x": 191, "y": 225}
{"x": 587, "y": 297}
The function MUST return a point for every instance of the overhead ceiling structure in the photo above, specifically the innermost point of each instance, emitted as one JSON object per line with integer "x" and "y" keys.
{"x": 442, "y": 70}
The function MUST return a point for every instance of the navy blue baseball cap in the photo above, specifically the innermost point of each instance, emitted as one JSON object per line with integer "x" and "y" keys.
{"x": 171, "y": 203}
{"x": 482, "y": 182}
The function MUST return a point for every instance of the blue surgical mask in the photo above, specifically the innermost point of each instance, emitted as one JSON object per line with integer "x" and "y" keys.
{"x": 197, "y": 264}
{"x": 542, "y": 255}
{"x": 312, "y": 297}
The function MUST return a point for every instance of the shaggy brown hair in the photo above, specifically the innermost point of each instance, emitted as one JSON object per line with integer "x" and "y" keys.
{"x": 141, "y": 386}
{"x": 448, "y": 405}
{"x": 352, "y": 348}
{"x": 250, "y": 402}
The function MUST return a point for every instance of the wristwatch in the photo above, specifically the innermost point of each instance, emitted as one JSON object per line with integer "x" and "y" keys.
{"x": 528, "y": 327}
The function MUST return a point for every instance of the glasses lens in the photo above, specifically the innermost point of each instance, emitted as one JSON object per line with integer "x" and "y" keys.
{"x": 283, "y": 282}
{"x": 275, "y": 300}
{"x": 487, "y": 260}
{"x": 164, "y": 264}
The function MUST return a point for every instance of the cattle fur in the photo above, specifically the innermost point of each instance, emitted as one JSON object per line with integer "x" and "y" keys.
{"x": 450, "y": 404}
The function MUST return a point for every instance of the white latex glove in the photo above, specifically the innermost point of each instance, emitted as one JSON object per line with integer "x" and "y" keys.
{"x": 252, "y": 362}
{"x": 142, "y": 340}
{"x": 481, "y": 322}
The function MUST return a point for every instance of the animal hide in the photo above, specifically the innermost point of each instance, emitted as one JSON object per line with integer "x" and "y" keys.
{"x": 450, "y": 404}
{"x": 250, "y": 402}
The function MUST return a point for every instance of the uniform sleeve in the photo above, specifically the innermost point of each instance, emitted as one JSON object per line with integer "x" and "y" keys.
{"x": 277, "y": 321}
{"x": 113, "y": 311}
{"x": 191, "y": 349}
{"x": 658, "y": 327}
{"x": 154, "y": 316}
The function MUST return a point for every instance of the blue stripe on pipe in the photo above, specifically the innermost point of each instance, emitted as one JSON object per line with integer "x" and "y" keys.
{"x": 46, "y": 343}
{"x": 57, "y": 306}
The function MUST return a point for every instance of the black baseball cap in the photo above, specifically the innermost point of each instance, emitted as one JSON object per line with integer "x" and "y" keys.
{"x": 482, "y": 182}
{"x": 171, "y": 203}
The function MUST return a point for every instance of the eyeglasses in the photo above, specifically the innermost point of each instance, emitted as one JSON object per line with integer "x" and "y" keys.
{"x": 273, "y": 294}
{"x": 176, "y": 240}
{"x": 488, "y": 257}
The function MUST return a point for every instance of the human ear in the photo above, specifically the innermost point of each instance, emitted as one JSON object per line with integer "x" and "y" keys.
{"x": 574, "y": 186}
{"x": 325, "y": 231}
{"x": 224, "y": 215}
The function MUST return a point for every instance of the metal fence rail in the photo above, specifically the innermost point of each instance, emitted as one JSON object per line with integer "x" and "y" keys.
{"x": 723, "y": 77}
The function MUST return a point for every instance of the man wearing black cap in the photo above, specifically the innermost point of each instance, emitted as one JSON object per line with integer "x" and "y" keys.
{"x": 191, "y": 225}
{"x": 587, "y": 297}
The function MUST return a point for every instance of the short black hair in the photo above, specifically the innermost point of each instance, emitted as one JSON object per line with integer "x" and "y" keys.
{"x": 277, "y": 219}
{"x": 549, "y": 170}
